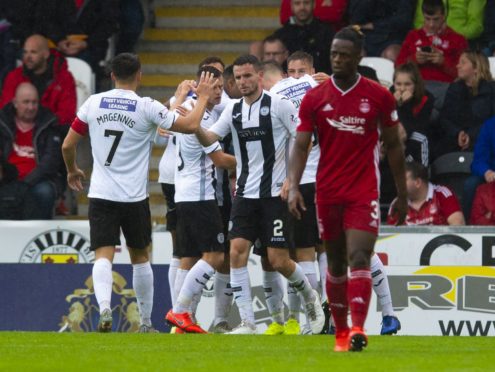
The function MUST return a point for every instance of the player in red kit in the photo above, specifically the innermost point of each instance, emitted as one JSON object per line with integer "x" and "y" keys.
{"x": 349, "y": 112}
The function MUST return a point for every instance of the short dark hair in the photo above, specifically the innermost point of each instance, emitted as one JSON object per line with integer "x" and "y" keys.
{"x": 272, "y": 38}
{"x": 417, "y": 170}
{"x": 212, "y": 70}
{"x": 210, "y": 60}
{"x": 301, "y": 56}
{"x": 430, "y": 7}
{"x": 272, "y": 65}
{"x": 248, "y": 59}
{"x": 228, "y": 73}
{"x": 353, "y": 34}
{"x": 125, "y": 66}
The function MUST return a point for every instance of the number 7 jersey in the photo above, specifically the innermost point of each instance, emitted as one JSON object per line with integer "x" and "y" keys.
{"x": 121, "y": 127}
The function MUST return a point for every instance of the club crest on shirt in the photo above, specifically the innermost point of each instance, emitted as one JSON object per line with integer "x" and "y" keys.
{"x": 364, "y": 107}
{"x": 433, "y": 209}
{"x": 265, "y": 110}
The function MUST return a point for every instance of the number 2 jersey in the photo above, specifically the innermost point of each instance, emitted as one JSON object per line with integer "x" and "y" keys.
{"x": 121, "y": 127}
{"x": 348, "y": 132}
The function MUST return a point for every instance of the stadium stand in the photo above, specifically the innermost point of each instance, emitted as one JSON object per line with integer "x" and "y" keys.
{"x": 384, "y": 69}
{"x": 84, "y": 77}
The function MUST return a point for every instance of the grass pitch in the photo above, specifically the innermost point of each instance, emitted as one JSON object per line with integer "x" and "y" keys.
{"x": 29, "y": 351}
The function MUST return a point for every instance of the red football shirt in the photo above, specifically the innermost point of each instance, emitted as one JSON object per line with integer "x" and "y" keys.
{"x": 22, "y": 153}
{"x": 440, "y": 203}
{"x": 348, "y": 133}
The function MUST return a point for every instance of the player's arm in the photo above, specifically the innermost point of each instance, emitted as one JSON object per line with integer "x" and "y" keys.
{"x": 190, "y": 123}
{"x": 297, "y": 163}
{"x": 74, "y": 174}
{"x": 395, "y": 155}
{"x": 456, "y": 219}
{"x": 222, "y": 160}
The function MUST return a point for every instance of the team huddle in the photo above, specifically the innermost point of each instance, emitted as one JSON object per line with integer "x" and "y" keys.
{"x": 305, "y": 164}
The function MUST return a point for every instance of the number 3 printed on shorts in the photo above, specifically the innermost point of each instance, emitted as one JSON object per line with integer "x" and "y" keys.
{"x": 374, "y": 212}
{"x": 278, "y": 226}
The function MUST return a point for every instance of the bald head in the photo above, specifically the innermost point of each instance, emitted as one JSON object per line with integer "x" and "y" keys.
{"x": 36, "y": 54}
{"x": 26, "y": 102}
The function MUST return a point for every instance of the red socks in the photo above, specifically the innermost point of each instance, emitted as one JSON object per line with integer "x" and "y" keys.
{"x": 354, "y": 292}
{"x": 359, "y": 295}
{"x": 337, "y": 299}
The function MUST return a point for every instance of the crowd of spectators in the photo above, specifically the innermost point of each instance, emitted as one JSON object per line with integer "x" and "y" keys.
{"x": 442, "y": 84}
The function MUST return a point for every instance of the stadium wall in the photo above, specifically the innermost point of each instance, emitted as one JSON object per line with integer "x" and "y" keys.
{"x": 442, "y": 280}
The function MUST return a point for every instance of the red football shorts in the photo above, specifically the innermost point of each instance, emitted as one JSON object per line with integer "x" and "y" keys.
{"x": 334, "y": 219}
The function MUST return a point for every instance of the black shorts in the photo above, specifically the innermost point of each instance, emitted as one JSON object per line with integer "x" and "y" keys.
{"x": 259, "y": 218}
{"x": 199, "y": 228}
{"x": 168, "y": 190}
{"x": 106, "y": 218}
{"x": 303, "y": 233}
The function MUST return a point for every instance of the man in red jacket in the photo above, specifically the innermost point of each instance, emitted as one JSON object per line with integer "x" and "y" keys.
{"x": 48, "y": 72}
{"x": 435, "y": 47}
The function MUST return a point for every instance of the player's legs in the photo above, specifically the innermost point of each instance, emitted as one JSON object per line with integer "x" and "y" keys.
{"x": 280, "y": 260}
{"x": 390, "y": 322}
{"x": 102, "y": 284}
{"x": 305, "y": 257}
{"x": 223, "y": 296}
{"x": 273, "y": 290}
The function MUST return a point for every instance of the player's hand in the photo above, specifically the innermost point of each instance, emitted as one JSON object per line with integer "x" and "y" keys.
{"x": 74, "y": 179}
{"x": 296, "y": 203}
{"x": 182, "y": 110}
{"x": 321, "y": 77}
{"x": 436, "y": 56}
{"x": 205, "y": 85}
{"x": 164, "y": 133}
{"x": 489, "y": 176}
{"x": 463, "y": 140}
{"x": 284, "y": 193}
{"x": 399, "y": 210}
{"x": 184, "y": 88}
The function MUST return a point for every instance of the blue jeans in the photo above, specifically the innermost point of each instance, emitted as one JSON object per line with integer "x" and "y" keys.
{"x": 43, "y": 196}
{"x": 468, "y": 192}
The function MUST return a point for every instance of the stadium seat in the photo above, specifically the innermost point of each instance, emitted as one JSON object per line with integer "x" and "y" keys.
{"x": 384, "y": 69}
{"x": 451, "y": 170}
{"x": 492, "y": 65}
{"x": 84, "y": 77}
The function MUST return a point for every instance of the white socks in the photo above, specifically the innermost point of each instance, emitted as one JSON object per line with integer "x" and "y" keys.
{"x": 172, "y": 273}
{"x": 323, "y": 267}
{"x": 179, "y": 281}
{"x": 102, "y": 283}
{"x": 294, "y": 302}
{"x": 301, "y": 283}
{"x": 194, "y": 283}
{"x": 223, "y": 297}
{"x": 380, "y": 285}
{"x": 241, "y": 289}
{"x": 142, "y": 279}
{"x": 274, "y": 292}
{"x": 309, "y": 269}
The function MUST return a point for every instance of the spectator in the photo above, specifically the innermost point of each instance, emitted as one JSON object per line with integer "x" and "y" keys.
{"x": 435, "y": 47}
{"x": 483, "y": 165}
{"x": 464, "y": 16}
{"x": 428, "y": 204}
{"x": 7, "y": 47}
{"x": 48, "y": 72}
{"x": 131, "y": 22}
{"x": 15, "y": 201}
{"x": 305, "y": 32}
{"x": 95, "y": 22}
{"x": 385, "y": 24}
{"x": 483, "y": 211}
{"x": 30, "y": 140}
{"x": 275, "y": 49}
{"x": 487, "y": 38}
{"x": 469, "y": 101}
{"x": 331, "y": 12}
{"x": 414, "y": 107}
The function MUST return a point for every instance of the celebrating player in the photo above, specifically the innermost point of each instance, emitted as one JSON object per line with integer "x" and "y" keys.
{"x": 121, "y": 127}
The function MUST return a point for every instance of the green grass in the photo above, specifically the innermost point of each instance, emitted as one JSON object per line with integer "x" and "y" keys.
{"x": 29, "y": 351}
